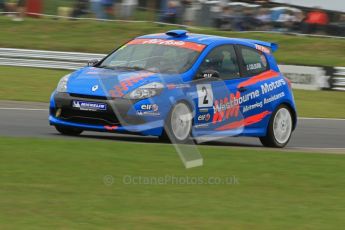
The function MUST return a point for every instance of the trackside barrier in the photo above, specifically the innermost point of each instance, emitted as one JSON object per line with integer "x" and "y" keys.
{"x": 45, "y": 59}
{"x": 337, "y": 81}
{"x": 302, "y": 77}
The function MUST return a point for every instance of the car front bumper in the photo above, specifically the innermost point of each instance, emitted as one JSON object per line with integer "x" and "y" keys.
{"x": 121, "y": 115}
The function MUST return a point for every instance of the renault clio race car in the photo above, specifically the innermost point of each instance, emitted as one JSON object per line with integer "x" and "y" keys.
{"x": 179, "y": 85}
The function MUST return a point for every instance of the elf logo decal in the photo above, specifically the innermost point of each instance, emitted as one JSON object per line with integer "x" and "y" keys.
{"x": 205, "y": 95}
{"x": 204, "y": 117}
{"x": 153, "y": 107}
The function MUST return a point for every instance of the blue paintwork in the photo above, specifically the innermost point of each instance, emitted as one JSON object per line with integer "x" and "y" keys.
{"x": 81, "y": 82}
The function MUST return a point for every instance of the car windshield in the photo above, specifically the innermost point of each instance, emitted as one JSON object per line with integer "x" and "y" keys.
{"x": 154, "y": 55}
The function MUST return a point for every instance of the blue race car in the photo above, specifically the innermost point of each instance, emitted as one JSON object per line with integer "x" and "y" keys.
{"x": 180, "y": 86}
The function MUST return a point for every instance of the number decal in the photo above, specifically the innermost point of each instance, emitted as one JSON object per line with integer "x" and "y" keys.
{"x": 205, "y": 95}
{"x": 205, "y": 98}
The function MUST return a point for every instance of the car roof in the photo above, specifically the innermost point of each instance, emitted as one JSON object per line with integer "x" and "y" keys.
{"x": 183, "y": 35}
{"x": 190, "y": 37}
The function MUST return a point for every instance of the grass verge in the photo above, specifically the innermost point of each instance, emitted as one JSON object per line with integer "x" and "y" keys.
{"x": 59, "y": 184}
{"x": 102, "y": 37}
{"x": 32, "y": 84}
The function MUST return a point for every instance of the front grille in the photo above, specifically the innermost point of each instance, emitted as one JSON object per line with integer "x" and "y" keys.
{"x": 64, "y": 101}
{"x": 89, "y": 117}
{"x": 88, "y": 96}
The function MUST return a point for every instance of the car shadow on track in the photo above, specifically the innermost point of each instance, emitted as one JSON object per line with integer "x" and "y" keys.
{"x": 231, "y": 142}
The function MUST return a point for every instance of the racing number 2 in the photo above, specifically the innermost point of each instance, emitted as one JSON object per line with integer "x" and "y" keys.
{"x": 205, "y": 98}
{"x": 205, "y": 95}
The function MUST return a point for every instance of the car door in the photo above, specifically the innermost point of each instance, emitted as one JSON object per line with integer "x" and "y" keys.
{"x": 254, "y": 66}
{"x": 217, "y": 97}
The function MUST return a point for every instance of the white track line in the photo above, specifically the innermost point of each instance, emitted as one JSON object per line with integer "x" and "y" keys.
{"x": 320, "y": 118}
{"x": 24, "y": 109}
{"x": 318, "y": 150}
{"x": 314, "y": 148}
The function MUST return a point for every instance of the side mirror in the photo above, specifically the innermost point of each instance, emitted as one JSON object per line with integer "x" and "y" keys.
{"x": 208, "y": 74}
{"x": 92, "y": 62}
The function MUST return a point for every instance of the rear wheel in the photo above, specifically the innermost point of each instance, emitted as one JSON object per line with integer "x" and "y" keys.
{"x": 68, "y": 131}
{"x": 178, "y": 126}
{"x": 279, "y": 129}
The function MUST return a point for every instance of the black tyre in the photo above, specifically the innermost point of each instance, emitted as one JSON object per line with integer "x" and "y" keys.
{"x": 68, "y": 131}
{"x": 178, "y": 125}
{"x": 279, "y": 129}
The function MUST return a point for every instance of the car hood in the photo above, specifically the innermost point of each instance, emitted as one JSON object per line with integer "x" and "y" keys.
{"x": 110, "y": 83}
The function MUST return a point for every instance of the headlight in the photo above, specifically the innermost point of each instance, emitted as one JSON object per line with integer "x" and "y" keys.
{"x": 62, "y": 86}
{"x": 146, "y": 91}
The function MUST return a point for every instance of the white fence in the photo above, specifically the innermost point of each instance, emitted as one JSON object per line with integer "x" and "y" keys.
{"x": 45, "y": 59}
{"x": 303, "y": 77}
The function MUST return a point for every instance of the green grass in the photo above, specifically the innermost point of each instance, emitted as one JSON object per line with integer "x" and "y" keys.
{"x": 28, "y": 84}
{"x": 58, "y": 184}
{"x": 325, "y": 104}
{"x": 102, "y": 37}
{"x": 32, "y": 84}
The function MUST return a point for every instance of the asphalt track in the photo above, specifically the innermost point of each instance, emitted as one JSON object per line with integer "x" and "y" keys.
{"x": 23, "y": 119}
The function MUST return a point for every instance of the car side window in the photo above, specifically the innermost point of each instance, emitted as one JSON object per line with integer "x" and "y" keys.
{"x": 222, "y": 59}
{"x": 254, "y": 61}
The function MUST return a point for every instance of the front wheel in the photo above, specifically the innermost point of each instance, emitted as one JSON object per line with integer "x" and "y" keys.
{"x": 279, "y": 128}
{"x": 68, "y": 131}
{"x": 178, "y": 125}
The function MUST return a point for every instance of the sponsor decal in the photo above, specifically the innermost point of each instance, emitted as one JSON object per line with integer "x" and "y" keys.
{"x": 253, "y": 106}
{"x": 207, "y": 75}
{"x": 229, "y": 106}
{"x": 203, "y": 110}
{"x": 177, "y": 86}
{"x": 148, "y": 110}
{"x": 153, "y": 107}
{"x": 254, "y": 66}
{"x": 204, "y": 117}
{"x": 262, "y": 48}
{"x": 274, "y": 97}
{"x": 94, "y": 88}
{"x": 187, "y": 45}
{"x": 202, "y": 126}
{"x": 89, "y": 106}
{"x": 119, "y": 89}
{"x": 147, "y": 113}
{"x": 268, "y": 87}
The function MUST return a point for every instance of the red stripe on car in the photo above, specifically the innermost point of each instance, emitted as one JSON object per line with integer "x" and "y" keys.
{"x": 261, "y": 77}
{"x": 245, "y": 122}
